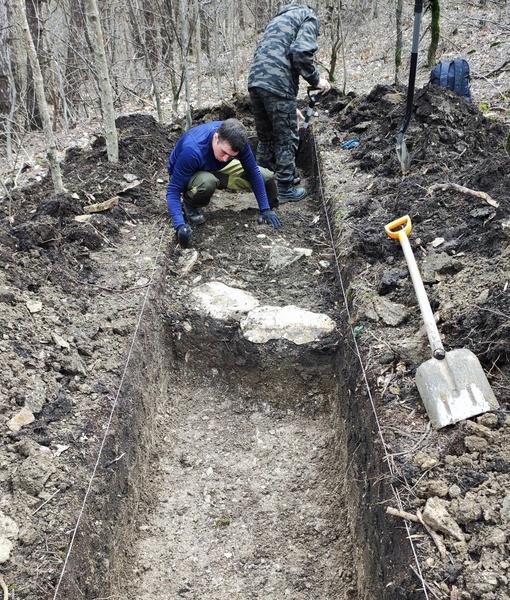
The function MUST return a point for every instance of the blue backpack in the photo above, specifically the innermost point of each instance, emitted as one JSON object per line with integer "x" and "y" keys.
{"x": 454, "y": 75}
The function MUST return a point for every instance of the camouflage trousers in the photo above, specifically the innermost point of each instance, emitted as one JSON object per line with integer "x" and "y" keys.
{"x": 232, "y": 177}
{"x": 277, "y": 132}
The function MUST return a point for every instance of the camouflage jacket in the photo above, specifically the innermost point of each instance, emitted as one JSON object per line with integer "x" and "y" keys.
{"x": 286, "y": 51}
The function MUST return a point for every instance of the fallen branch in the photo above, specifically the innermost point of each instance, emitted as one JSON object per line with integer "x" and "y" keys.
{"x": 402, "y": 514}
{"x": 499, "y": 70}
{"x": 464, "y": 190}
{"x": 101, "y": 206}
{"x": 417, "y": 518}
{"x": 4, "y": 588}
{"x": 45, "y": 502}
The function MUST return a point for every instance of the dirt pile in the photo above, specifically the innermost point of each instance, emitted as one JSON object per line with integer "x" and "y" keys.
{"x": 461, "y": 243}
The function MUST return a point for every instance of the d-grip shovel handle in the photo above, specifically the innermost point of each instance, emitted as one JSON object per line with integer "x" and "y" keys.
{"x": 399, "y": 230}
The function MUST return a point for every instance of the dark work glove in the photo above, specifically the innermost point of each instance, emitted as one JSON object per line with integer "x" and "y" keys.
{"x": 271, "y": 218}
{"x": 184, "y": 235}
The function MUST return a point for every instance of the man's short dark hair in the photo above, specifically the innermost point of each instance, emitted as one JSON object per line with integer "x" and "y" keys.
{"x": 234, "y": 133}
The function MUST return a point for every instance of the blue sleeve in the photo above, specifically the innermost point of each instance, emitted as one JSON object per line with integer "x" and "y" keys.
{"x": 184, "y": 168}
{"x": 253, "y": 175}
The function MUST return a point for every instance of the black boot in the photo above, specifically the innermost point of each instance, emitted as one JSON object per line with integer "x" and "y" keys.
{"x": 193, "y": 214}
{"x": 290, "y": 194}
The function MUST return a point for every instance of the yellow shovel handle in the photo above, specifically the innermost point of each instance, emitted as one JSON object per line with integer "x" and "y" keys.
{"x": 395, "y": 229}
{"x": 399, "y": 230}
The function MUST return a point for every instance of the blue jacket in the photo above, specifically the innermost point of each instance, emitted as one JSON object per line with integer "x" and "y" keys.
{"x": 193, "y": 152}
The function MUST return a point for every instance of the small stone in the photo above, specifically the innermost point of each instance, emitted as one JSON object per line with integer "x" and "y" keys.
{"x": 425, "y": 461}
{"x": 505, "y": 509}
{"x": 495, "y": 538}
{"x": 489, "y": 420}
{"x": 454, "y": 491}
{"x": 24, "y": 417}
{"x": 34, "y": 306}
{"x": 476, "y": 444}
{"x": 5, "y": 549}
{"x": 437, "y": 517}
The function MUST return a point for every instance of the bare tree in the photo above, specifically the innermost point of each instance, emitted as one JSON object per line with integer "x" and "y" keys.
{"x": 5, "y": 95}
{"x": 51, "y": 147}
{"x": 185, "y": 40}
{"x": 7, "y": 84}
{"x": 399, "y": 41}
{"x": 144, "y": 47}
{"x": 337, "y": 42}
{"x": 435, "y": 31}
{"x": 103, "y": 79}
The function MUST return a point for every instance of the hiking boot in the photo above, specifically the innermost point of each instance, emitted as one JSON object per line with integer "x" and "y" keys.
{"x": 291, "y": 194}
{"x": 193, "y": 214}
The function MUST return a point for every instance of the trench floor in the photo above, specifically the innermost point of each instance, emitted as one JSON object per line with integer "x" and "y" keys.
{"x": 247, "y": 494}
{"x": 246, "y": 503}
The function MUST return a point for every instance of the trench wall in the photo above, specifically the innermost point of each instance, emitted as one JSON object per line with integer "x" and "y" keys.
{"x": 382, "y": 554}
{"x": 101, "y": 551}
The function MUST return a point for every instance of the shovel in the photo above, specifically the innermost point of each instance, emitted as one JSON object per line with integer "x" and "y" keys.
{"x": 452, "y": 385}
{"x": 403, "y": 155}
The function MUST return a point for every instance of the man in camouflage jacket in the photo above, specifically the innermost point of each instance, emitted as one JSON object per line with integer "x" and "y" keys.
{"x": 284, "y": 53}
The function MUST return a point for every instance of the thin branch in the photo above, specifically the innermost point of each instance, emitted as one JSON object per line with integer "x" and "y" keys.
{"x": 460, "y": 188}
{"x": 45, "y": 502}
{"x": 4, "y": 588}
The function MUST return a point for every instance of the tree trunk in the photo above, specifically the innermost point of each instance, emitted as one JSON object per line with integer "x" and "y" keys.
{"x": 141, "y": 37}
{"x": 217, "y": 46}
{"x": 435, "y": 31}
{"x": 51, "y": 147}
{"x": 7, "y": 84}
{"x": 185, "y": 57}
{"x": 337, "y": 42}
{"x": 5, "y": 95}
{"x": 398, "y": 46}
{"x": 103, "y": 79}
{"x": 198, "y": 45}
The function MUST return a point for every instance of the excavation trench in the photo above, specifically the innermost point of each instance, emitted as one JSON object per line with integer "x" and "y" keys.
{"x": 246, "y": 470}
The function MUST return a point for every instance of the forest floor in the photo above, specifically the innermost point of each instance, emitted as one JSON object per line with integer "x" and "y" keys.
{"x": 242, "y": 459}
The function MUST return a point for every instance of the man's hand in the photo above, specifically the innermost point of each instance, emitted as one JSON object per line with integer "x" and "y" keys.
{"x": 184, "y": 233}
{"x": 300, "y": 117}
{"x": 271, "y": 218}
{"x": 324, "y": 86}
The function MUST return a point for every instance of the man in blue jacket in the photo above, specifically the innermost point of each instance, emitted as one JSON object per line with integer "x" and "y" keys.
{"x": 213, "y": 156}
{"x": 284, "y": 54}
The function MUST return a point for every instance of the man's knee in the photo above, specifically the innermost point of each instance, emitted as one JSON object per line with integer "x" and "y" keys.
{"x": 271, "y": 190}
{"x": 200, "y": 189}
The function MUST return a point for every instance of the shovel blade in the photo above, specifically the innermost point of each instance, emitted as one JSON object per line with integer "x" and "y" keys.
{"x": 454, "y": 388}
{"x": 403, "y": 155}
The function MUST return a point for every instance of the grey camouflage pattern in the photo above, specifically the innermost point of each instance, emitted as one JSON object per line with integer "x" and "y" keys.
{"x": 277, "y": 134}
{"x": 286, "y": 52}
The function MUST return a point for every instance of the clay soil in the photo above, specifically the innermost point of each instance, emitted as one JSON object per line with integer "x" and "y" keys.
{"x": 143, "y": 408}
